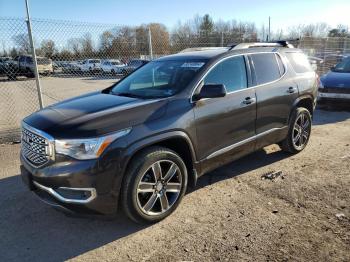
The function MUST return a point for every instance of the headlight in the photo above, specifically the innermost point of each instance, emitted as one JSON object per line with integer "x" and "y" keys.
{"x": 89, "y": 148}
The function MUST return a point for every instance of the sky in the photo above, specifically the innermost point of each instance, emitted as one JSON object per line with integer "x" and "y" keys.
{"x": 134, "y": 12}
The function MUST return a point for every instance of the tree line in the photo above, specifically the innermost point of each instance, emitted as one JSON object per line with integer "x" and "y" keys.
{"x": 133, "y": 41}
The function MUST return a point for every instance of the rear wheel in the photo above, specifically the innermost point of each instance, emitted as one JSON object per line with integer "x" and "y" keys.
{"x": 154, "y": 185}
{"x": 299, "y": 131}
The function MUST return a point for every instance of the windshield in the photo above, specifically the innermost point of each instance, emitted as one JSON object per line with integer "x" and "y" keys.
{"x": 158, "y": 79}
{"x": 343, "y": 66}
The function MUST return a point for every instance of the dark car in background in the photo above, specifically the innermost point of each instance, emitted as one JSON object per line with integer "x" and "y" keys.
{"x": 133, "y": 65}
{"x": 140, "y": 142}
{"x": 335, "y": 85}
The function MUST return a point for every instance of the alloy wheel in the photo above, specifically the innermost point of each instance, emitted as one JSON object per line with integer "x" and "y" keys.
{"x": 301, "y": 131}
{"x": 159, "y": 187}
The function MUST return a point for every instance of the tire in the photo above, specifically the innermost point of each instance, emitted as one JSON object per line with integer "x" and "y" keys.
{"x": 159, "y": 199}
{"x": 113, "y": 72}
{"x": 124, "y": 72}
{"x": 300, "y": 123}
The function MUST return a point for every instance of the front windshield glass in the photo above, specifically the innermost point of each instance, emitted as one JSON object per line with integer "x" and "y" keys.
{"x": 158, "y": 79}
{"x": 343, "y": 66}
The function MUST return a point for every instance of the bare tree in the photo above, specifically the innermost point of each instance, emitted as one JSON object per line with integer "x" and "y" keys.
{"x": 47, "y": 48}
{"x": 22, "y": 42}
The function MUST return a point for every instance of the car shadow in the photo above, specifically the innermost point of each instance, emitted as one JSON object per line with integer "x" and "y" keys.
{"x": 32, "y": 230}
{"x": 239, "y": 167}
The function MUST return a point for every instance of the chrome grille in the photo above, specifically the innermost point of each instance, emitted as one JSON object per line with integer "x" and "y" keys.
{"x": 35, "y": 148}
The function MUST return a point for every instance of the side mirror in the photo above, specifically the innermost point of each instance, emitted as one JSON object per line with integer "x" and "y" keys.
{"x": 211, "y": 91}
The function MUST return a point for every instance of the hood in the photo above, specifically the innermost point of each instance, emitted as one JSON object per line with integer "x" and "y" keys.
{"x": 95, "y": 114}
{"x": 336, "y": 79}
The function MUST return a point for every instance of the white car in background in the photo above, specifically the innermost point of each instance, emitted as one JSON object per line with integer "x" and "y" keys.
{"x": 91, "y": 65}
{"x": 112, "y": 66}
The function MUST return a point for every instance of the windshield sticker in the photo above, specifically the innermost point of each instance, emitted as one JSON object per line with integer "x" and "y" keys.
{"x": 193, "y": 64}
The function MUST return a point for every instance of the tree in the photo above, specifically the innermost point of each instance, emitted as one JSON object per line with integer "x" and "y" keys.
{"x": 47, "y": 48}
{"x": 74, "y": 45}
{"x": 160, "y": 39}
{"x": 87, "y": 45}
{"x": 340, "y": 31}
{"x": 207, "y": 25}
{"x": 106, "y": 41}
{"x": 14, "y": 52}
{"x": 22, "y": 42}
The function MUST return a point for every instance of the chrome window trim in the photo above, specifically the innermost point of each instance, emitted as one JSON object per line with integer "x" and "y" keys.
{"x": 68, "y": 200}
{"x": 223, "y": 59}
{"x": 247, "y": 140}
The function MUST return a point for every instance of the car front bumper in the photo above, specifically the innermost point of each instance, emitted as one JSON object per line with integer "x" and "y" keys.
{"x": 333, "y": 95}
{"x": 73, "y": 186}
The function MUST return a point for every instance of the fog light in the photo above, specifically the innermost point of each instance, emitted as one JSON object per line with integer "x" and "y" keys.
{"x": 75, "y": 194}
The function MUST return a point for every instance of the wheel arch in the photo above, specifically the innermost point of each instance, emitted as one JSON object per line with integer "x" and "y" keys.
{"x": 177, "y": 141}
{"x": 306, "y": 101}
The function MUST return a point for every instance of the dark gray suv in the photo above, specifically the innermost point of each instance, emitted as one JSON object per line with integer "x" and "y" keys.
{"x": 139, "y": 143}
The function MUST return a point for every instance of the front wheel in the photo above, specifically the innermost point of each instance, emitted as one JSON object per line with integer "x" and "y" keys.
{"x": 299, "y": 131}
{"x": 154, "y": 185}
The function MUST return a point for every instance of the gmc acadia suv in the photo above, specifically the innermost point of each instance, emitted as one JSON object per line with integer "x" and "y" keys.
{"x": 139, "y": 143}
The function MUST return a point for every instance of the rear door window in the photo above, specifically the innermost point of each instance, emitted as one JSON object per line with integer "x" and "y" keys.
{"x": 299, "y": 62}
{"x": 266, "y": 67}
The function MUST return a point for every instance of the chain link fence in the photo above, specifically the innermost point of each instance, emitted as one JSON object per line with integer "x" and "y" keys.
{"x": 75, "y": 58}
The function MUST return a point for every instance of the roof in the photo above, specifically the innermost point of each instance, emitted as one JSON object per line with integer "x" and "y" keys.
{"x": 221, "y": 51}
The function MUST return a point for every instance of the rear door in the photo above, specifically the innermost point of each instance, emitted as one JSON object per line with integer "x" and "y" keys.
{"x": 275, "y": 92}
{"x": 222, "y": 123}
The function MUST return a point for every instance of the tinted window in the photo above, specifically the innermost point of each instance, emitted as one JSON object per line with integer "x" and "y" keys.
{"x": 231, "y": 72}
{"x": 299, "y": 62}
{"x": 266, "y": 67}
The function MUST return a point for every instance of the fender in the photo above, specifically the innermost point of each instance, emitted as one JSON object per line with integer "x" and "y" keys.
{"x": 302, "y": 97}
{"x": 132, "y": 149}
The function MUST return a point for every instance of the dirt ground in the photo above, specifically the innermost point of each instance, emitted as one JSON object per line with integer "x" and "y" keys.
{"x": 232, "y": 215}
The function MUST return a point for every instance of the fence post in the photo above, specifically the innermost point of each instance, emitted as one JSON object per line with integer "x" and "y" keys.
{"x": 36, "y": 73}
{"x": 150, "y": 43}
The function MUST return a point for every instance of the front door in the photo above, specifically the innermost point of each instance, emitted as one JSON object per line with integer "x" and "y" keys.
{"x": 222, "y": 124}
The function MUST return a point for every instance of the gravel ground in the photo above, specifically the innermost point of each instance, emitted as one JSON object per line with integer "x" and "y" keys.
{"x": 232, "y": 215}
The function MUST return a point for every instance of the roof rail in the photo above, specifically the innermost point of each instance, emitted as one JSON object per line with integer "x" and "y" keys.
{"x": 192, "y": 49}
{"x": 258, "y": 44}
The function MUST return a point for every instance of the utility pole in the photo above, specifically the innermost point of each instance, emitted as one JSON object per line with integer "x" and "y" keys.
{"x": 36, "y": 73}
{"x": 222, "y": 39}
{"x": 150, "y": 43}
{"x": 269, "y": 35}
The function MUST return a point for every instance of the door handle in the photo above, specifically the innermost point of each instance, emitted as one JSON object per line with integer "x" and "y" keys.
{"x": 249, "y": 100}
{"x": 291, "y": 90}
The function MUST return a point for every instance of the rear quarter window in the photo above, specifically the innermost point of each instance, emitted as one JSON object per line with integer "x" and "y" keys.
{"x": 266, "y": 67}
{"x": 299, "y": 62}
